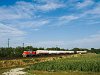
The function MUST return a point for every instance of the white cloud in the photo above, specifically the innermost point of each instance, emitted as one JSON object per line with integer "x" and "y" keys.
{"x": 7, "y": 13}
{"x": 14, "y": 34}
{"x": 50, "y": 6}
{"x": 24, "y": 13}
{"x": 85, "y": 3}
{"x": 63, "y": 20}
{"x": 20, "y": 10}
{"x": 36, "y": 29}
{"x": 9, "y": 31}
{"x": 90, "y": 14}
{"x": 95, "y": 11}
{"x": 26, "y": 7}
{"x": 68, "y": 18}
{"x": 30, "y": 24}
{"x": 22, "y": 16}
{"x": 16, "y": 18}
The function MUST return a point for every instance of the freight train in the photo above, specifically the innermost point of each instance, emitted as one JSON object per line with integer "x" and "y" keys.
{"x": 50, "y": 52}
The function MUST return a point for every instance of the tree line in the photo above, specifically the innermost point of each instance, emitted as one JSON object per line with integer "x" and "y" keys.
{"x": 17, "y": 52}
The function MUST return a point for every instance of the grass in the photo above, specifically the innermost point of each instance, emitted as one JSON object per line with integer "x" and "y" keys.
{"x": 61, "y": 73}
{"x": 86, "y": 63}
{"x": 11, "y": 63}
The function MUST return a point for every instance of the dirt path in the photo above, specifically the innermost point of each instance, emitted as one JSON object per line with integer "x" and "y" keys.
{"x": 16, "y": 71}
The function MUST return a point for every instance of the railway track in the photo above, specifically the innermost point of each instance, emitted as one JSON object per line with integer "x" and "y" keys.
{"x": 36, "y": 56}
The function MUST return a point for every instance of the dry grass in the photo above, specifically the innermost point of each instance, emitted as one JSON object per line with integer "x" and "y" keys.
{"x": 22, "y": 62}
{"x": 11, "y": 63}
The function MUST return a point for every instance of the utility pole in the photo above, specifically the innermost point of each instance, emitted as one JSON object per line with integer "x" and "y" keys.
{"x": 23, "y": 46}
{"x": 8, "y": 42}
{"x": 56, "y": 47}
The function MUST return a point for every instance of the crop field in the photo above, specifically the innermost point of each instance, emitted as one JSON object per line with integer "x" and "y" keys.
{"x": 61, "y": 73}
{"x": 80, "y": 63}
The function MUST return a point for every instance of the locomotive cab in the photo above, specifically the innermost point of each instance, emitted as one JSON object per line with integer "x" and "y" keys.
{"x": 28, "y": 53}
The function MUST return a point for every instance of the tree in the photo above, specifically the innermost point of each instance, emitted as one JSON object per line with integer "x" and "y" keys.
{"x": 76, "y": 49}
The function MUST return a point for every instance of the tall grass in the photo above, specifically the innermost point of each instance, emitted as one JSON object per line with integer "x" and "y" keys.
{"x": 81, "y": 63}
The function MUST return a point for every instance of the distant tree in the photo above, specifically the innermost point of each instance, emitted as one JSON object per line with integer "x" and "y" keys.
{"x": 76, "y": 49}
{"x": 62, "y": 49}
{"x": 97, "y": 51}
{"x": 29, "y": 47}
{"x": 54, "y": 48}
{"x": 34, "y": 49}
{"x": 40, "y": 48}
{"x": 92, "y": 48}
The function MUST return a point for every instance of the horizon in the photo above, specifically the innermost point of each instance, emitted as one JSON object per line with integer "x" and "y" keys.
{"x": 50, "y": 23}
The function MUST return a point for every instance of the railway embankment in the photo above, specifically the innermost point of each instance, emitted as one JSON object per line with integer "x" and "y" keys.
{"x": 20, "y": 62}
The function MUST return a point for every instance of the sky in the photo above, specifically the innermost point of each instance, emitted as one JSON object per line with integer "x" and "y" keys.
{"x": 50, "y": 23}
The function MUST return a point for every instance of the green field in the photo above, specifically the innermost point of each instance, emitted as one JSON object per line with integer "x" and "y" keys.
{"x": 61, "y": 73}
{"x": 87, "y": 63}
